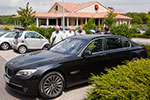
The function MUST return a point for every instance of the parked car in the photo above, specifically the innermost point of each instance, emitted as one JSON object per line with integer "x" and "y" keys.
{"x": 69, "y": 63}
{"x": 6, "y": 39}
{"x": 29, "y": 40}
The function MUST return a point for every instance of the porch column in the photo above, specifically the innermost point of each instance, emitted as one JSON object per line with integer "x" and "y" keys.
{"x": 61, "y": 21}
{"x": 86, "y": 21}
{"x": 77, "y": 22}
{"x": 15, "y": 22}
{"x": 99, "y": 22}
{"x": 56, "y": 21}
{"x": 37, "y": 22}
{"x": 67, "y": 22}
{"x": 47, "y": 22}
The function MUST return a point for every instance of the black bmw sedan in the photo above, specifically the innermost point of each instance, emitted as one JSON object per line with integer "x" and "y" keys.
{"x": 69, "y": 63}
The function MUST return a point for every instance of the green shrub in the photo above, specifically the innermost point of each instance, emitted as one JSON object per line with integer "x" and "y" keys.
{"x": 147, "y": 33}
{"x": 46, "y": 32}
{"x": 90, "y": 25}
{"x": 126, "y": 82}
{"x": 6, "y": 28}
{"x": 123, "y": 30}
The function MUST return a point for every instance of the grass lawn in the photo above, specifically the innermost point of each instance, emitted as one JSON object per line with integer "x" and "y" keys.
{"x": 8, "y": 26}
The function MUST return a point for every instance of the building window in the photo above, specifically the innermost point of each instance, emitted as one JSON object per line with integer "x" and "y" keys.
{"x": 56, "y": 7}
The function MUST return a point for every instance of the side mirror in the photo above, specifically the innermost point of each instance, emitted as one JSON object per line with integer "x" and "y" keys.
{"x": 25, "y": 37}
{"x": 86, "y": 53}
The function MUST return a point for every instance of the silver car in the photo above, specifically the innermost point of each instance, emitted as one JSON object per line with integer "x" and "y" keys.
{"x": 6, "y": 39}
{"x": 29, "y": 40}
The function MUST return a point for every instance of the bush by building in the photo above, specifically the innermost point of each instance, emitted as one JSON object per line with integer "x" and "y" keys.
{"x": 126, "y": 82}
{"x": 123, "y": 30}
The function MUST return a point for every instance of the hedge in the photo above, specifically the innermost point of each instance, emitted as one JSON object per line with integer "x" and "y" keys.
{"x": 126, "y": 82}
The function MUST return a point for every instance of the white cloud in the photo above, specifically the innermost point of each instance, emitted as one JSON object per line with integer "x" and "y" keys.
{"x": 10, "y": 6}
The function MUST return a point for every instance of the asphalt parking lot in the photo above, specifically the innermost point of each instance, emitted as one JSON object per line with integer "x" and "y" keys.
{"x": 74, "y": 93}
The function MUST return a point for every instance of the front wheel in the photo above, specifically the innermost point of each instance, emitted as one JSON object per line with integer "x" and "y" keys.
{"x": 51, "y": 85}
{"x": 22, "y": 49}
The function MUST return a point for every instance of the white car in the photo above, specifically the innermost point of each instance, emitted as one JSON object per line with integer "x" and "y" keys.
{"x": 6, "y": 39}
{"x": 29, "y": 40}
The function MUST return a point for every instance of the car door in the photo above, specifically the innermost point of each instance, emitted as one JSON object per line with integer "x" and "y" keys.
{"x": 117, "y": 50}
{"x": 93, "y": 63}
{"x": 33, "y": 40}
{"x": 10, "y": 37}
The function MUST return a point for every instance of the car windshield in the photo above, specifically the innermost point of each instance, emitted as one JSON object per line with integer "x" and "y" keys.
{"x": 2, "y": 33}
{"x": 69, "y": 46}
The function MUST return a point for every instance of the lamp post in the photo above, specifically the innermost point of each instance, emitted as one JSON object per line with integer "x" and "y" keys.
{"x": 63, "y": 18}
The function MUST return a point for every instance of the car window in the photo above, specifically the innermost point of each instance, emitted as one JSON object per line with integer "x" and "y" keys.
{"x": 38, "y": 36}
{"x": 2, "y": 33}
{"x": 95, "y": 46}
{"x": 11, "y": 35}
{"x": 113, "y": 43}
{"x": 125, "y": 43}
{"x": 30, "y": 35}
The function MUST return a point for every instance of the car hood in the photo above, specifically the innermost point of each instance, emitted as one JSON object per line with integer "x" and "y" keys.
{"x": 36, "y": 58}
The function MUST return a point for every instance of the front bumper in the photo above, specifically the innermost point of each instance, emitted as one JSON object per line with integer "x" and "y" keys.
{"x": 23, "y": 86}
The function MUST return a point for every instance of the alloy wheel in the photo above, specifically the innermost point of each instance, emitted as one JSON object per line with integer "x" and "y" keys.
{"x": 5, "y": 46}
{"x": 22, "y": 49}
{"x": 52, "y": 85}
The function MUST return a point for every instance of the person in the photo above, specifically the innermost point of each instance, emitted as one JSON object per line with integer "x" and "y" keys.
{"x": 80, "y": 31}
{"x": 98, "y": 31}
{"x": 106, "y": 30}
{"x": 57, "y": 36}
{"x": 70, "y": 33}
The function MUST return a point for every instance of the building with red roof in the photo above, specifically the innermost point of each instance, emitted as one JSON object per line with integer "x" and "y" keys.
{"x": 77, "y": 14}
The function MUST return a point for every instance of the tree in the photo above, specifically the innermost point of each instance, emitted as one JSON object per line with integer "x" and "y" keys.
{"x": 26, "y": 16}
{"x": 147, "y": 17}
{"x": 110, "y": 20}
{"x": 136, "y": 19}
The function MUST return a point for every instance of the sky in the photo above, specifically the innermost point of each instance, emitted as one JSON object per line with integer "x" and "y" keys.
{"x": 9, "y": 7}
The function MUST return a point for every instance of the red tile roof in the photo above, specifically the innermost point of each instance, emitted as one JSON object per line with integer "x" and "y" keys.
{"x": 77, "y": 15}
{"x": 75, "y": 6}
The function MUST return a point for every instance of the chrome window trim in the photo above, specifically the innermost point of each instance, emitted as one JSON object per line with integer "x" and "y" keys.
{"x": 103, "y": 38}
{"x": 80, "y": 54}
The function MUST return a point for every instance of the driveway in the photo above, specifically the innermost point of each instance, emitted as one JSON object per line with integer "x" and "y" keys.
{"x": 74, "y": 93}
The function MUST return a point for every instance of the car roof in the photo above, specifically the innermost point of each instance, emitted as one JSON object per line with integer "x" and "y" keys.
{"x": 90, "y": 37}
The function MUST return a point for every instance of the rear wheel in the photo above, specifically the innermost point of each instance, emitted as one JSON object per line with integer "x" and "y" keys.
{"x": 5, "y": 46}
{"x": 45, "y": 47}
{"x": 22, "y": 49}
{"x": 51, "y": 85}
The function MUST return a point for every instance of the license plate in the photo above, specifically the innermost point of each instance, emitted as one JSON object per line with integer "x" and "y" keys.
{"x": 7, "y": 79}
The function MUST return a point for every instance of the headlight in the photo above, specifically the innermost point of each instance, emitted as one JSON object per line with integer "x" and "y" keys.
{"x": 26, "y": 73}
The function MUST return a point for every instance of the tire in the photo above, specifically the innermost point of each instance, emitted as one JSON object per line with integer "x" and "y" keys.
{"x": 135, "y": 58}
{"x": 22, "y": 49}
{"x": 5, "y": 46}
{"x": 45, "y": 47}
{"x": 51, "y": 85}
